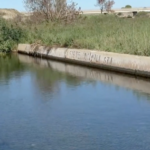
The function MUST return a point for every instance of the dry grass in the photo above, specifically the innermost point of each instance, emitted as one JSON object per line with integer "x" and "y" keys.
{"x": 9, "y": 13}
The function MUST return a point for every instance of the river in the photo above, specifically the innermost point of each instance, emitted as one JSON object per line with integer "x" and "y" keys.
{"x": 49, "y": 105}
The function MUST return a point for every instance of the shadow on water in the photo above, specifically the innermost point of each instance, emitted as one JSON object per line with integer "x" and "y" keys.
{"x": 9, "y": 66}
{"x": 74, "y": 75}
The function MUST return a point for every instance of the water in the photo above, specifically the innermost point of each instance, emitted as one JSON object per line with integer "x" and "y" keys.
{"x": 47, "y": 105}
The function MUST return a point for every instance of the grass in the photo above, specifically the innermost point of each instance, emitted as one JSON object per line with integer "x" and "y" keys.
{"x": 105, "y": 33}
{"x": 96, "y": 32}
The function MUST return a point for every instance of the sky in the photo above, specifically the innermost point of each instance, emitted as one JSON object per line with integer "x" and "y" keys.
{"x": 84, "y": 4}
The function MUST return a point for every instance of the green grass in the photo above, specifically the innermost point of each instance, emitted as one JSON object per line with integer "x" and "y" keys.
{"x": 105, "y": 33}
{"x": 97, "y": 32}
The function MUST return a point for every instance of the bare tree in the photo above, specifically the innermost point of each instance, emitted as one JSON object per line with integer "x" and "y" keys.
{"x": 101, "y": 4}
{"x": 105, "y": 5}
{"x": 108, "y": 5}
{"x": 51, "y": 10}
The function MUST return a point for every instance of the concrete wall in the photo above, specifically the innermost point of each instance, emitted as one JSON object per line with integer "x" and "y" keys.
{"x": 124, "y": 10}
{"x": 126, "y": 15}
{"x": 130, "y": 64}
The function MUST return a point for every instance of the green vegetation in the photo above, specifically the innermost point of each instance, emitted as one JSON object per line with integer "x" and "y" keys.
{"x": 143, "y": 14}
{"x": 128, "y": 6}
{"x": 98, "y": 32}
{"x": 106, "y": 33}
{"x": 10, "y": 35}
{"x": 119, "y": 14}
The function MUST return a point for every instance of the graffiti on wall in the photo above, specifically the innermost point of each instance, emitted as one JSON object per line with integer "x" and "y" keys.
{"x": 90, "y": 57}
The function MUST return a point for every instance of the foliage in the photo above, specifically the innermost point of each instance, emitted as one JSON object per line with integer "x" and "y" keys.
{"x": 128, "y": 6}
{"x": 10, "y": 35}
{"x": 106, "y": 33}
{"x": 142, "y": 14}
{"x": 119, "y": 14}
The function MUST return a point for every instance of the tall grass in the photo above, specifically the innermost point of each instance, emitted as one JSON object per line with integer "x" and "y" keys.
{"x": 98, "y": 32}
{"x": 105, "y": 33}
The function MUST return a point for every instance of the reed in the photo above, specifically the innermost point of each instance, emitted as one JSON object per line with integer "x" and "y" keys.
{"x": 105, "y": 33}
{"x": 97, "y": 32}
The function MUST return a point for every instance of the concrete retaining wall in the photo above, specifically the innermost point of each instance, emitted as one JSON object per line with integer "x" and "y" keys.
{"x": 130, "y": 64}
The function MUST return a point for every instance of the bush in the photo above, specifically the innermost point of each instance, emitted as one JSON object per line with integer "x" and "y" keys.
{"x": 119, "y": 14}
{"x": 10, "y": 35}
{"x": 128, "y": 6}
{"x": 142, "y": 14}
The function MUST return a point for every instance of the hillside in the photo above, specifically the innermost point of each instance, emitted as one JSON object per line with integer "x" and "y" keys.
{"x": 9, "y": 13}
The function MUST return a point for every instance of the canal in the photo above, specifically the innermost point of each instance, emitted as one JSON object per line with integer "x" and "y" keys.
{"x": 48, "y": 105}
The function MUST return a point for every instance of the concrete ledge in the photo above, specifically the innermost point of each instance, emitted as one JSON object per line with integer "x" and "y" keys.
{"x": 129, "y": 64}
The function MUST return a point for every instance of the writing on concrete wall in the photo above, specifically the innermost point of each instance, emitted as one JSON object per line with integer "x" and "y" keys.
{"x": 90, "y": 57}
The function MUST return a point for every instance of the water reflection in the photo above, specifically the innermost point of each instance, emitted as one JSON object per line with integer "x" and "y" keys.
{"x": 48, "y": 105}
{"x": 75, "y": 75}
{"x": 10, "y": 66}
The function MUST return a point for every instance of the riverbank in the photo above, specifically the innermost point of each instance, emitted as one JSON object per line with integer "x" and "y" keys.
{"x": 94, "y": 32}
{"x": 129, "y": 64}
{"x": 10, "y": 35}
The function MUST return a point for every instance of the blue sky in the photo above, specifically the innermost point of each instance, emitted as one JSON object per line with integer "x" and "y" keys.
{"x": 84, "y": 4}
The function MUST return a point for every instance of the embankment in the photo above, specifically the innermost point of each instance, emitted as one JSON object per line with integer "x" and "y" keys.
{"x": 129, "y": 64}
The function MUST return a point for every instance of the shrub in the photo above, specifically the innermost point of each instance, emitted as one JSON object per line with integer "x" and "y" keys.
{"x": 10, "y": 35}
{"x": 119, "y": 14}
{"x": 142, "y": 14}
{"x": 128, "y": 6}
{"x": 129, "y": 16}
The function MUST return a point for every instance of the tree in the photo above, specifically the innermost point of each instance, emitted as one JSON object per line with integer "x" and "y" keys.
{"x": 51, "y": 10}
{"x": 105, "y": 4}
{"x": 108, "y": 5}
{"x": 101, "y": 4}
{"x": 128, "y": 6}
